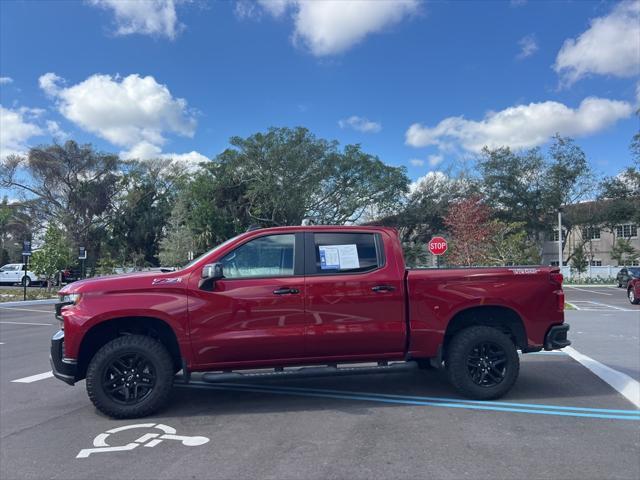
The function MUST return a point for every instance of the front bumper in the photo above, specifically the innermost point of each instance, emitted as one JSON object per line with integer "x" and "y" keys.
{"x": 63, "y": 368}
{"x": 556, "y": 337}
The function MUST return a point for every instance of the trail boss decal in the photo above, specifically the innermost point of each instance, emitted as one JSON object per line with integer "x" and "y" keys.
{"x": 166, "y": 281}
{"x": 524, "y": 271}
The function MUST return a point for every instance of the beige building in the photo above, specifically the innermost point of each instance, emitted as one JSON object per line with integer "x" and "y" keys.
{"x": 598, "y": 242}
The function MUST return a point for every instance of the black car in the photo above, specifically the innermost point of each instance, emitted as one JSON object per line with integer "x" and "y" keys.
{"x": 626, "y": 274}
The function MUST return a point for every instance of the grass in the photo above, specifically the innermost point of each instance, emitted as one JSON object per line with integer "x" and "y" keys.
{"x": 33, "y": 293}
{"x": 568, "y": 306}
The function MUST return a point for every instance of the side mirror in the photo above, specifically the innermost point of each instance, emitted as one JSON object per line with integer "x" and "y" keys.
{"x": 210, "y": 273}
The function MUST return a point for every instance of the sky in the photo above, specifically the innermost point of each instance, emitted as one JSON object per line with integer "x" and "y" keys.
{"x": 421, "y": 84}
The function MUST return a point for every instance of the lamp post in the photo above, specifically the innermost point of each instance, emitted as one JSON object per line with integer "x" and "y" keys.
{"x": 560, "y": 238}
{"x": 26, "y": 253}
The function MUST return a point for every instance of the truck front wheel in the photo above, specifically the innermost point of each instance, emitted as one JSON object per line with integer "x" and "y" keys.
{"x": 130, "y": 377}
{"x": 482, "y": 363}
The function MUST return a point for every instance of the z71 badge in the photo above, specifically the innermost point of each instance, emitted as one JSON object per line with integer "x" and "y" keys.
{"x": 166, "y": 281}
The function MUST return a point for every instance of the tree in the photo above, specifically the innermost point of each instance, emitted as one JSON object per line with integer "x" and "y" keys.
{"x": 16, "y": 226}
{"x": 141, "y": 212}
{"x": 178, "y": 241}
{"x": 282, "y": 176}
{"x": 531, "y": 187}
{"x": 623, "y": 252}
{"x": 68, "y": 185}
{"x": 622, "y": 192}
{"x": 422, "y": 215}
{"x": 510, "y": 245}
{"x": 471, "y": 228}
{"x": 579, "y": 261}
{"x": 54, "y": 255}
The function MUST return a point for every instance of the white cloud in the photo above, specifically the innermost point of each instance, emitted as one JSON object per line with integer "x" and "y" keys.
{"x": 528, "y": 46}
{"x": 275, "y": 7}
{"x": 432, "y": 181}
{"x": 146, "y": 17}
{"x": 16, "y": 128}
{"x": 435, "y": 160}
{"x": 416, "y": 162}
{"x": 518, "y": 3}
{"x": 333, "y": 26}
{"x": 133, "y": 112}
{"x": 56, "y": 131}
{"x": 144, "y": 151}
{"x": 5, "y": 80}
{"x": 611, "y": 46}
{"x": 523, "y": 126}
{"x": 360, "y": 124}
{"x": 49, "y": 83}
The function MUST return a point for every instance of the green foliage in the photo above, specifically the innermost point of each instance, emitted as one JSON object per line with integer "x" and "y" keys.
{"x": 423, "y": 214}
{"x": 54, "y": 255}
{"x": 529, "y": 187}
{"x": 72, "y": 186}
{"x": 106, "y": 265}
{"x": 179, "y": 240}
{"x": 579, "y": 261}
{"x": 141, "y": 214}
{"x": 623, "y": 252}
{"x": 511, "y": 245}
{"x": 282, "y": 176}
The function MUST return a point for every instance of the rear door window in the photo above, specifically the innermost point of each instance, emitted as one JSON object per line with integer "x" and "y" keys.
{"x": 336, "y": 253}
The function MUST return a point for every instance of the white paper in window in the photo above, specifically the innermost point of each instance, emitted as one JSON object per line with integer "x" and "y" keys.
{"x": 338, "y": 257}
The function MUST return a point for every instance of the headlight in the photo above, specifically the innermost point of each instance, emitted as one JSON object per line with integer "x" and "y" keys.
{"x": 73, "y": 298}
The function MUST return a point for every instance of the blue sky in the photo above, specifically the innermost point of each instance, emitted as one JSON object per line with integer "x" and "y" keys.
{"x": 420, "y": 84}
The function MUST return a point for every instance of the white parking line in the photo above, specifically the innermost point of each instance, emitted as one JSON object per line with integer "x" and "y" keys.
{"x": 591, "y": 306}
{"x": 34, "y": 378}
{"x": 48, "y": 312}
{"x": 588, "y": 291}
{"x": 623, "y": 383}
{"x": 28, "y": 323}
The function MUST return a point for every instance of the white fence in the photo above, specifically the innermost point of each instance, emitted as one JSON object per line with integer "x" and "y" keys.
{"x": 605, "y": 271}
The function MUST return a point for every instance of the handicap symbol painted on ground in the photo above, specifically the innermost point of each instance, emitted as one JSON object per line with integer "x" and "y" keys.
{"x": 147, "y": 440}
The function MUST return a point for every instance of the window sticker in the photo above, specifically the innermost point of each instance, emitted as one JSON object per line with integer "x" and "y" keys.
{"x": 338, "y": 257}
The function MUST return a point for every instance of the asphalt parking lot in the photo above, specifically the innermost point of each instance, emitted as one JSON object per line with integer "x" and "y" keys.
{"x": 559, "y": 421}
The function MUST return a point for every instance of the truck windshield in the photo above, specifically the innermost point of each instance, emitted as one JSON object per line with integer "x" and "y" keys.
{"x": 197, "y": 259}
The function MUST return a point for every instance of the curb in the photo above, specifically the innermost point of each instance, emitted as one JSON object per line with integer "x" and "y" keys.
{"x": 47, "y": 301}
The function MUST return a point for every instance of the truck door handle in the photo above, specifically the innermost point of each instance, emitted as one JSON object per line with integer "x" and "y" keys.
{"x": 284, "y": 291}
{"x": 383, "y": 288}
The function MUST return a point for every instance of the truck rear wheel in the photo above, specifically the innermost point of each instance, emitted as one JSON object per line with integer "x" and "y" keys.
{"x": 482, "y": 363}
{"x": 130, "y": 377}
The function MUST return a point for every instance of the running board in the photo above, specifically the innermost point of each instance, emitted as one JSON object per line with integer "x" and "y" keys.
{"x": 302, "y": 372}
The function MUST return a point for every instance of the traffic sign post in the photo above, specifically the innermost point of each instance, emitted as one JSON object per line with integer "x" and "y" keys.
{"x": 26, "y": 253}
{"x": 437, "y": 246}
{"x": 82, "y": 256}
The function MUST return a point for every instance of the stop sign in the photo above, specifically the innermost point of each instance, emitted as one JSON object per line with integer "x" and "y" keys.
{"x": 437, "y": 246}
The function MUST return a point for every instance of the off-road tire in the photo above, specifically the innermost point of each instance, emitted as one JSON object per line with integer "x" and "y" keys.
{"x": 154, "y": 352}
{"x": 457, "y": 356}
{"x": 26, "y": 281}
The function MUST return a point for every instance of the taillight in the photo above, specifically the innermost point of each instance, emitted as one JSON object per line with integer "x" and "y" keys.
{"x": 556, "y": 277}
{"x": 560, "y": 296}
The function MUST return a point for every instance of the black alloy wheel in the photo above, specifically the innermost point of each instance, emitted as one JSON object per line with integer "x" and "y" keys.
{"x": 487, "y": 364}
{"x": 128, "y": 379}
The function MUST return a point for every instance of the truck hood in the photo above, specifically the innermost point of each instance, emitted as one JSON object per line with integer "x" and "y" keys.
{"x": 125, "y": 281}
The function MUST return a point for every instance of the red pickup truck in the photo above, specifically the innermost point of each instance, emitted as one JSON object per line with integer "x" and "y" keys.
{"x": 287, "y": 297}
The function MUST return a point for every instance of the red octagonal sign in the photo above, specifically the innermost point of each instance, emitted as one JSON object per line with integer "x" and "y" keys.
{"x": 437, "y": 245}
